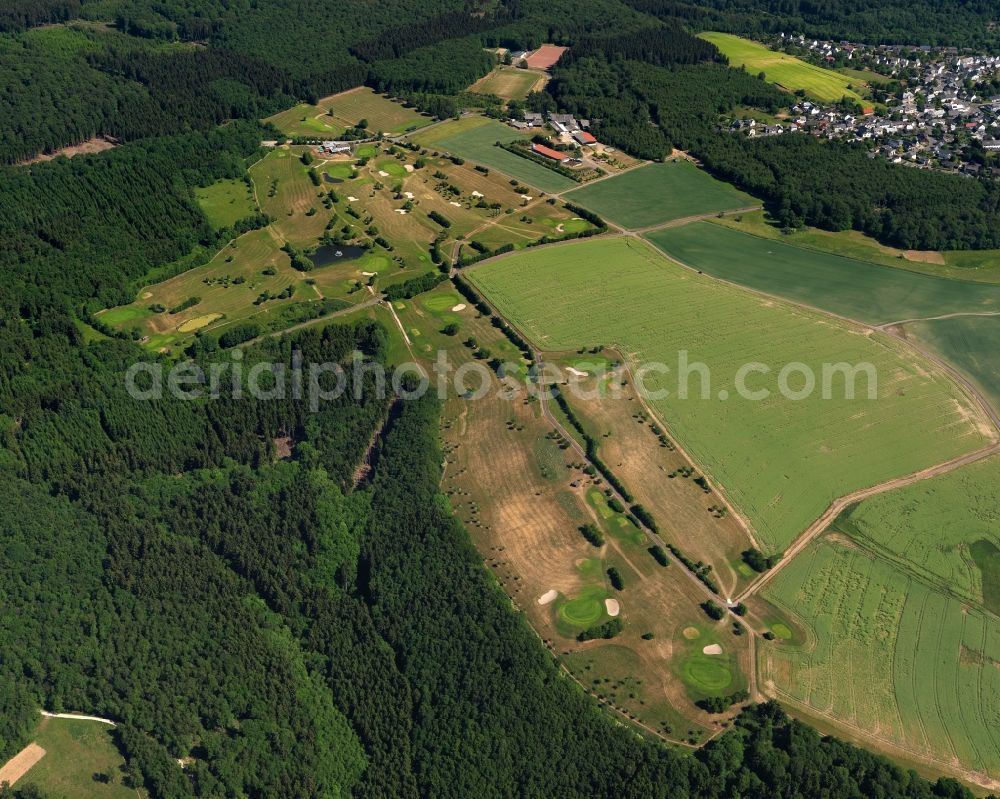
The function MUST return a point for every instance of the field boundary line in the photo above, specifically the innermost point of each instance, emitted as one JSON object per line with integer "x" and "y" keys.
{"x": 977, "y": 778}
{"x": 842, "y": 503}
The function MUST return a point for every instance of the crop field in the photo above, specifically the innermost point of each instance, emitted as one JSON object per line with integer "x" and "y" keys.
{"x": 509, "y": 83}
{"x": 845, "y": 286}
{"x": 939, "y": 527}
{"x": 889, "y": 658}
{"x": 970, "y": 343}
{"x": 979, "y": 266}
{"x": 524, "y": 517}
{"x": 781, "y": 461}
{"x": 475, "y": 138}
{"x": 783, "y": 70}
{"x": 332, "y": 115}
{"x": 226, "y": 202}
{"x": 659, "y": 193}
{"x": 611, "y": 410}
{"x": 75, "y": 751}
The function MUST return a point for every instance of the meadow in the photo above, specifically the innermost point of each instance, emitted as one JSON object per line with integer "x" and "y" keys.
{"x": 781, "y": 461}
{"x": 783, "y": 70}
{"x": 475, "y": 138}
{"x": 889, "y": 658}
{"x": 970, "y": 343}
{"x": 332, "y": 115}
{"x": 849, "y": 287}
{"x": 75, "y": 751}
{"x": 509, "y": 83}
{"x": 935, "y": 525}
{"x": 659, "y": 193}
{"x": 226, "y": 202}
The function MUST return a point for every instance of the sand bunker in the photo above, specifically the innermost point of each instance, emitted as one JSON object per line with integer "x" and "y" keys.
{"x": 712, "y": 649}
{"x": 369, "y": 274}
{"x": 351, "y": 199}
{"x": 383, "y": 174}
{"x": 575, "y": 372}
{"x": 408, "y": 167}
{"x": 478, "y": 194}
{"x": 548, "y": 596}
{"x": 612, "y": 607}
{"x": 457, "y": 205}
{"x": 459, "y": 307}
{"x": 408, "y": 195}
{"x": 525, "y": 196}
{"x": 402, "y": 211}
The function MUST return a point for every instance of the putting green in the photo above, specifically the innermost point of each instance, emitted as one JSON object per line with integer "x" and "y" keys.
{"x": 341, "y": 171}
{"x": 438, "y": 303}
{"x": 782, "y": 631}
{"x": 393, "y": 167}
{"x": 707, "y": 673}
{"x": 586, "y": 609}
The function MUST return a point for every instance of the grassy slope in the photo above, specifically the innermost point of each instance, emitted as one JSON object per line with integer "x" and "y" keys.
{"x": 74, "y": 752}
{"x": 845, "y": 286}
{"x": 782, "y": 462}
{"x": 474, "y": 138}
{"x": 889, "y": 656}
{"x": 659, "y": 193}
{"x": 226, "y": 202}
{"x": 784, "y": 70}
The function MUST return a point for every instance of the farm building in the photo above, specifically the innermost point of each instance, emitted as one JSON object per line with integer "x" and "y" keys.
{"x": 584, "y": 138}
{"x": 548, "y": 152}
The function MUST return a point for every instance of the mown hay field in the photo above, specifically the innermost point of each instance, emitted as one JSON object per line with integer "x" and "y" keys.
{"x": 659, "y": 193}
{"x": 888, "y": 657}
{"x": 509, "y": 83}
{"x": 782, "y": 461}
{"x": 849, "y": 287}
{"x": 784, "y": 70}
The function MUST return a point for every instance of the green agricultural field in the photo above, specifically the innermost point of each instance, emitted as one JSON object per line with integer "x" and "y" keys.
{"x": 888, "y": 657}
{"x": 981, "y": 266}
{"x": 226, "y": 202}
{"x": 934, "y": 526}
{"x": 970, "y": 343}
{"x": 783, "y": 70}
{"x": 659, "y": 193}
{"x": 845, "y": 286}
{"x": 781, "y": 461}
{"x": 76, "y": 751}
{"x": 475, "y": 138}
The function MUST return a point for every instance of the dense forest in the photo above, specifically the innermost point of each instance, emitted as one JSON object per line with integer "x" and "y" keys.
{"x": 961, "y": 23}
{"x": 288, "y": 633}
